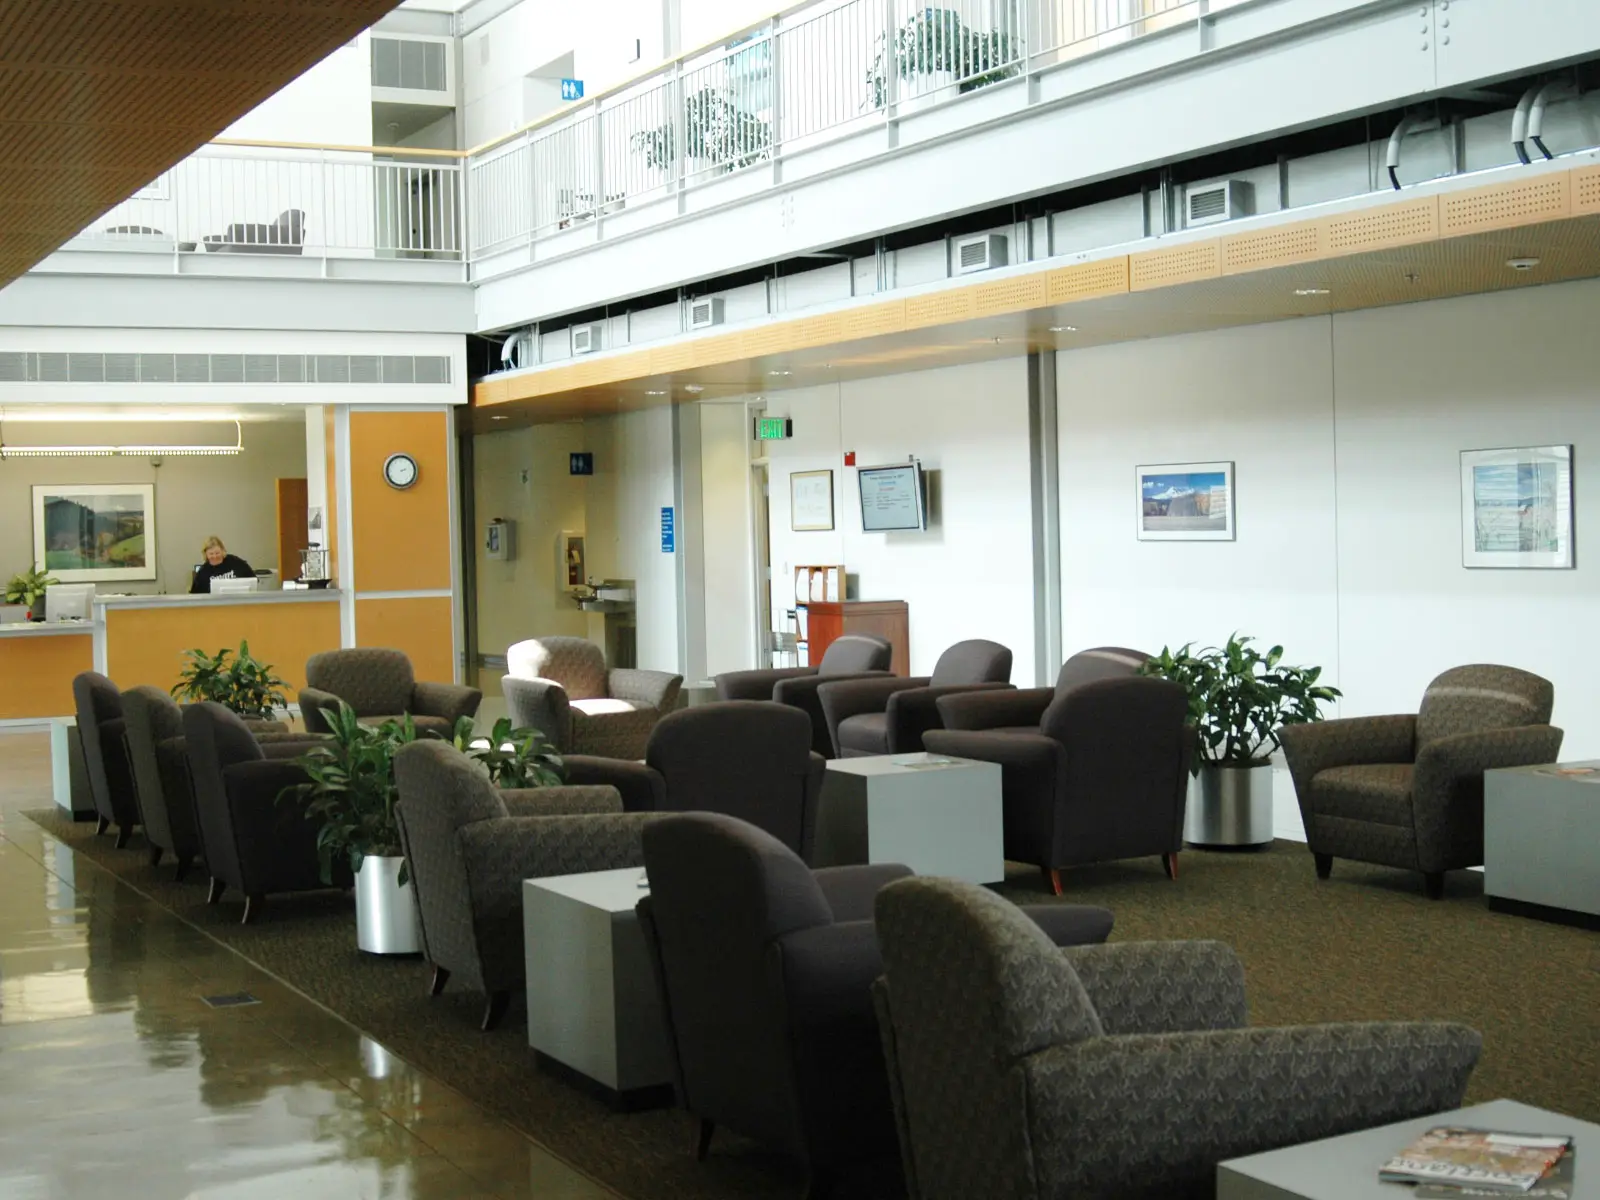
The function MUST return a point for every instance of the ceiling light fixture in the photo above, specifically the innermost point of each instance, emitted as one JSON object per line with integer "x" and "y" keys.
{"x": 1063, "y": 329}
{"x": 777, "y": 374}
{"x": 655, "y": 392}
{"x": 498, "y": 417}
{"x": 1522, "y": 264}
{"x": 1311, "y": 291}
{"x": 694, "y": 389}
{"x": 124, "y": 451}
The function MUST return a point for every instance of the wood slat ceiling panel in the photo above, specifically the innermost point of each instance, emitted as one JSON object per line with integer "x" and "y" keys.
{"x": 99, "y": 97}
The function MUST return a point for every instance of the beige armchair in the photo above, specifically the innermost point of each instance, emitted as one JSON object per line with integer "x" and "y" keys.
{"x": 561, "y": 687}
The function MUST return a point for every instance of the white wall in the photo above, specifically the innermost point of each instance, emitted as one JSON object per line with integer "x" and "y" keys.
{"x": 969, "y": 574}
{"x": 727, "y": 555}
{"x": 332, "y": 102}
{"x": 1346, "y": 434}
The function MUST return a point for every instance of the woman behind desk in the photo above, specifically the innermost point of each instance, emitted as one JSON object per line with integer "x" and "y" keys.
{"x": 219, "y": 564}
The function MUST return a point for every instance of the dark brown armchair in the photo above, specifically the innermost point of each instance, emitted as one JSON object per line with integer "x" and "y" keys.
{"x": 1407, "y": 791}
{"x": 853, "y": 656}
{"x": 380, "y": 684}
{"x": 101, "y": 729}
{"x": 1103, "y": 776}
{"x": 1021, "y": 709}
{"x": 890, "y": 715}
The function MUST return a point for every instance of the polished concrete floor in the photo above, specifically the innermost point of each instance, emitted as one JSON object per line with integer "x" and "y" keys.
{"x": 118, "y": 1079}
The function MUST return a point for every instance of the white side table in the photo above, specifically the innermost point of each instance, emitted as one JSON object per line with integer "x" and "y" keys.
{"x": 69, "y": 778}
{"x": 1541, "y": 841}
{"x": 937, "y": 815}
{"x": 592, "y": 1000}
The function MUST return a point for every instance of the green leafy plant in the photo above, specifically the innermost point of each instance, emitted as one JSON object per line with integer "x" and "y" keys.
{"x": 232, "y": 679}
{"x": 1240, "y": 698}
{"x": 937, "y": 39}
{"x": 27, "y": 587}
{"x": 351, "y": 789}
{"x": 515, "y": 758}
{"x": 714, "y": 128}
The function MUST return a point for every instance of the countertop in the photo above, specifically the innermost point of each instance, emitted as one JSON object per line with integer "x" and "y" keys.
{"x": 276, "y": 596}
{"x": 45, "y": 628}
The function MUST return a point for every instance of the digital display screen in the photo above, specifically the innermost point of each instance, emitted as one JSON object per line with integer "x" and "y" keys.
{"x": 891, "y": 498}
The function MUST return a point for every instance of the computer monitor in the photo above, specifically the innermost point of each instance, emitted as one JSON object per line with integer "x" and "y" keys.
{"x": 233, "y": 587}
{"x": 69, "y": 602}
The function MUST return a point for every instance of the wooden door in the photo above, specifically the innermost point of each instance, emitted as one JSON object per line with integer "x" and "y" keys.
{"x": 292, "y": 520}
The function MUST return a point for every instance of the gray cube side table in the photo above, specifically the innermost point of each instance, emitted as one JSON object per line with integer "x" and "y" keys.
{"x": 592, "y": 1000}
{"x": 937, "y": 815}
{"x": 1541, "y": 841}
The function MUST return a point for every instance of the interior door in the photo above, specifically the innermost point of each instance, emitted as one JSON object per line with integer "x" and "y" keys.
{"x": 293, "y": 518}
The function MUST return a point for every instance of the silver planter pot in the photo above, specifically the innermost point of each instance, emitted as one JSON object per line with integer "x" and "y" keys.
{"x": 386, "y": 913}
{"x": 1230, "y": 806}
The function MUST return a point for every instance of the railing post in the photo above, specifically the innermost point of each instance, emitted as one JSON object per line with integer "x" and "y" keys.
{"x": 680, "y": 133}
{"x": 775, "y": 81}
{"x": 599, "y": 170}
{"x": 464, "y": 215}
{"x": 531, "y": 191}
{"x": 891, "y": 61}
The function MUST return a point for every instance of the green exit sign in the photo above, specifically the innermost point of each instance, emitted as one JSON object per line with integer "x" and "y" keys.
{"x": 774, "y": 429}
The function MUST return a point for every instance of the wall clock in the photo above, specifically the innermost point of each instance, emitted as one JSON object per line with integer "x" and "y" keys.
{"x": 400, "y": 470}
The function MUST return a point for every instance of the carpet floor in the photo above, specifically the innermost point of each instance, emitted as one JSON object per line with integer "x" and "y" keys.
{"x": 1365, "y": 945}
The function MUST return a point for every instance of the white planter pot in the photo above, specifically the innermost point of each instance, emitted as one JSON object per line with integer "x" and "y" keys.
{"x": 1230, "y": 806}
{"x": 386, "y": 913}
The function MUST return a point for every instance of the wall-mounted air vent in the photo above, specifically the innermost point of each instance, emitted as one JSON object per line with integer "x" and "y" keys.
{"x": 1214, "y": 203}
{"x": 408, "y": 63}
{"x": 705, "y": 312}
{"x": 980, "y": 253}
{"x": 26, "y": 366}
{"x": 585, "y": 339}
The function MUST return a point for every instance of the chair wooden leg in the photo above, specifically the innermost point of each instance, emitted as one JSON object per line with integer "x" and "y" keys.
{"x": 702, "y": 1139}
{"x": 495, "y": 1010}
{"x": 1052, "y": 879}
{"x": 185, "y": 861}
{"x": 124, "y": 832}
{"x": 441, "y": 976}
{"x": 1324, "y": 865}
{"x": 217, "y": 888}
{"x": 155, "y": 856}
{"x": 1433, "y": 884}
{"x": 101, "y": 826}
{"x": 252, "y": 905}
{"x": 1169, "y": 864}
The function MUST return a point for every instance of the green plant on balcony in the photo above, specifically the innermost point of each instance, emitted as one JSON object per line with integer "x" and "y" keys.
{"x": 937, "y": 40}
{"x": 714, "y": 129}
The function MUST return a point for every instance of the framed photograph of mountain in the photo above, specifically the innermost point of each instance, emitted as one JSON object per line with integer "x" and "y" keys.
{"x": 1185, "y": 502}
{"x": 1516, "y": 508}
{"x": 95, "y": 533}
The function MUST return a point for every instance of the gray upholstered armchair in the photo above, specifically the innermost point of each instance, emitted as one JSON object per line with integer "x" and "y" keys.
{"x": 1020, "y": 1071}
{"x": 853, "y": 656}
{"x": 378, "y": 685}
{"x": 101, "y": 729}
{"x": 560, "y": 686}
{"x": 470, "y": 846}
{"x": 1407, "y": 791}
{"x": 1020, "y": 710}
{"x": 890, "y": 715}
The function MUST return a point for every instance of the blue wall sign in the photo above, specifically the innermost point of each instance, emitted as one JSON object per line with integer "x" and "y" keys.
{"x": 669, "y": 531}
{"x": 572, "y": 89}
{"x": 580, "y": 462}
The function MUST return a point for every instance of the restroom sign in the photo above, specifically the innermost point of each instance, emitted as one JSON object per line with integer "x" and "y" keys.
{"x": 572, "y": 89}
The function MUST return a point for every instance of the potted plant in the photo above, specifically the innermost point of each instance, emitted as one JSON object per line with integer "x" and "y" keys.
{"x": 716, "y": 132}
{"x": 351, "y": 789}
{"x": 233, "y": 679}
{"x": 1239, "y": 700}
{"x": 936, "y": 42}
{"x": 27, "y": 587}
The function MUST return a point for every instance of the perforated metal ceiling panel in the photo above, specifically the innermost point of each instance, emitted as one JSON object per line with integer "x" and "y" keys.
{"x": 98, "y": 97}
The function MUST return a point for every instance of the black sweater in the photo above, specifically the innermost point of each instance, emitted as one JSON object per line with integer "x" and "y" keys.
{"x": 231, "y": 567}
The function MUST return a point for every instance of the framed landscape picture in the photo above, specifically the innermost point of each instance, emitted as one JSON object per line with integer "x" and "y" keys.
{"x": 1185, "y": 502}
{"x": 95, "y": 533}
{"x": 1516, "y": 508}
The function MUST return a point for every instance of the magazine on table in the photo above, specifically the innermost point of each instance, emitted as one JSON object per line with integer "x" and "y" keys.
{"x": 1556, "y": 1185}
{"x": 1495, "y": 1162}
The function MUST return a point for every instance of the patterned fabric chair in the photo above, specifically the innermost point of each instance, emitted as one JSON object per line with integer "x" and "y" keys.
{"x": 101, "y": 729}
{"x": 853, "y": 656}
{"x": 1020, "y": 710}
{"x": 1407, "y": 791}
{"x": 1103, "y": 776}
{"x": 750, "y": 759}
{"x": 889, "y": 716}
{"x": 249, "y": 840}
{"x": 1023, "y": 1072}
{"x": 378, "y": 685}
{"x": 471, "y": 845}
{"x": 765, "y": 968}
{"x": 560, "y": 686}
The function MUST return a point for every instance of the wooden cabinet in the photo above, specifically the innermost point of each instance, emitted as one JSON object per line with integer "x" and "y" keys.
{"x": 887, "y": 618}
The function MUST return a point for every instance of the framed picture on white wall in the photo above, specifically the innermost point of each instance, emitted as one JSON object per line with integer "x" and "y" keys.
{"x": 810, "y": 500}
{"x": 1185, "y": 502}
{"x": 1516, "y": 508}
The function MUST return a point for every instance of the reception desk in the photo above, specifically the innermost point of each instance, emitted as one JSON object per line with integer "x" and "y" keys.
{"x": 142, "y": 639}
{"x": 37, "y": 663}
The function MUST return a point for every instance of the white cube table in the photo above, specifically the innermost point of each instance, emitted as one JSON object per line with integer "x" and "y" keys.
{"x": 1346, "y": 1168}
{"x": 1541, "y": 841}
{"x": 937, "y": 815}
{"x": 592, "y": 1000}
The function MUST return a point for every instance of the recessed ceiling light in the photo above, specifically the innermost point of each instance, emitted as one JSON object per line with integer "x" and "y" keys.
{"x": 694, "y": 389}
{"x": 1063, "y": 329}
{"x": 498, "y": 417}
{"x": 776, "y": 374}
{"x": 1522, "y": 264}
{"x": 1311, "y": 291}
{"x": 655, "y": 393}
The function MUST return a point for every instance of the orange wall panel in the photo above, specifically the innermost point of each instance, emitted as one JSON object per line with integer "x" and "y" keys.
{"x": 146, "y": 645}
{"x": 402, "y": 537}
{"x": 36, "y": 673}
{"x": 421, "y": 626}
